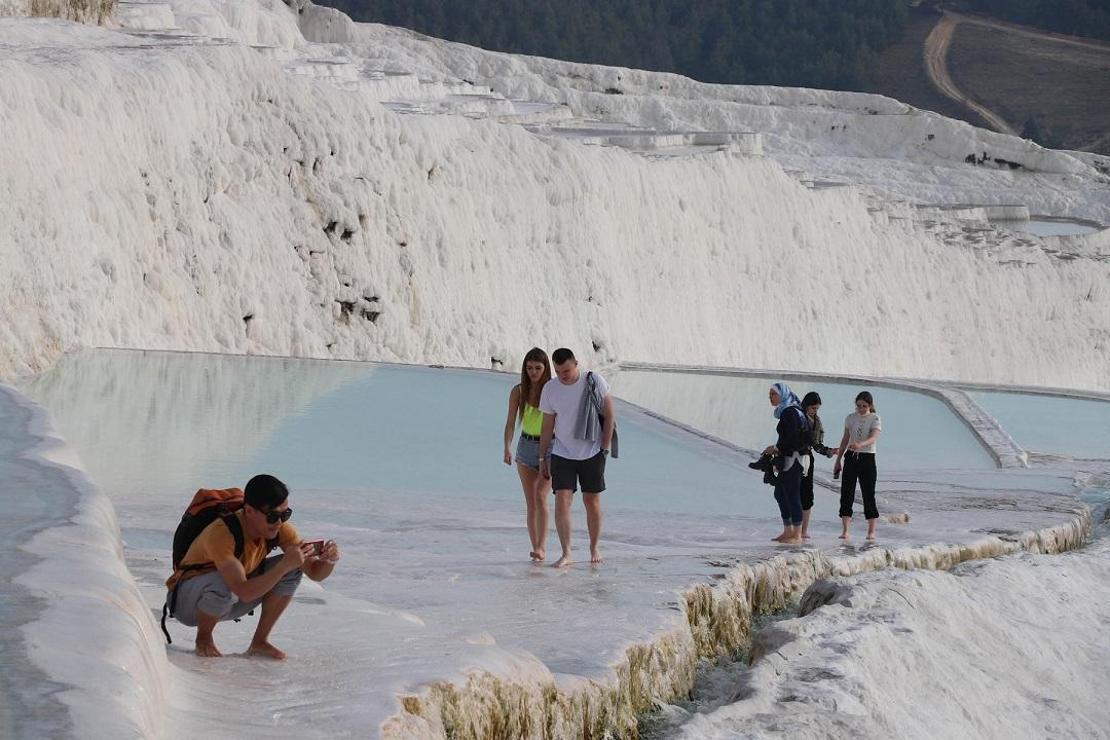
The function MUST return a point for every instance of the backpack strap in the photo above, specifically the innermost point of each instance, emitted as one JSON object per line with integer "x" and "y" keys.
{"x": 236, "y": 529}
{"x": 171, "y": 598}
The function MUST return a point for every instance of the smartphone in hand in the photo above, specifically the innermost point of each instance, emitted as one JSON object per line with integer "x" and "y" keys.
{"x": 316, "y": 545}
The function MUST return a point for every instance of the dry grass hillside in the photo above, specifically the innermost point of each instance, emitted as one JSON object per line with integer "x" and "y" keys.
{"x": 1050, "y": 88}
{"x": 1054, "y": 92}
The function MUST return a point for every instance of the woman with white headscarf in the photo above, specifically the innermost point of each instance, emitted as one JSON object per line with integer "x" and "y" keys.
{"x": 790, "y": 449}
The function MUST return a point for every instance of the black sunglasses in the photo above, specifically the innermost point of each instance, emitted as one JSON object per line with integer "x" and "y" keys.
{"x": 273, "y": 517}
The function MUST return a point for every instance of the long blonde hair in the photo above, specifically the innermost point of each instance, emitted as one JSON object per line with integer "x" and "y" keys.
{"x": 534, "y": 355}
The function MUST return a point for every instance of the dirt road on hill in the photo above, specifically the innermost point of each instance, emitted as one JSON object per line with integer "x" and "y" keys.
{"x": 936, "y": 54}
{"x": 940, "y": 38}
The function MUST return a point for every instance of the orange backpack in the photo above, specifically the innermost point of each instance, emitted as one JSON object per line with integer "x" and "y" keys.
{"x": 208, "y": 505}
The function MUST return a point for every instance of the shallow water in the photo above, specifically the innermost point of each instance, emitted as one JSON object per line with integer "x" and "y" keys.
{"x": 402, "y": 466}
{"x": 1075, "y": 427}
{"x": 1048, "y": 226}
{"x": 161, "y": 423}
{"x": 919, "y": 431}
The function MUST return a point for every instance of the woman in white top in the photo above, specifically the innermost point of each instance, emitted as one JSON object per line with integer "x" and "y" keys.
{"x": 857, "y": 447}
{"x": 524, "y": 401}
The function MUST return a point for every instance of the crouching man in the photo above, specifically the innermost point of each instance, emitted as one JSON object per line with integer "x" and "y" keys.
{"x": 225, "y": 572}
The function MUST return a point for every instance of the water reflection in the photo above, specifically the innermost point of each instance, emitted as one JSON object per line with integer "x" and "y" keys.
{"x": 1075, "y": 427}
{"x": 141, "y": 418}
{"x": 152, "y": 425}
{"x": 919, "y": 431}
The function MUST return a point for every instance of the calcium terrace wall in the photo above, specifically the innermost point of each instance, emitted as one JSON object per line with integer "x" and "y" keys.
{"x": 191, "y": 194}
{"x": 719, "y": 622}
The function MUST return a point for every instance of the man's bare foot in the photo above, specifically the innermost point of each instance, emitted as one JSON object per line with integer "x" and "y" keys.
{"x": 562, "y": 562}
{"x": 871, "y": 536}
{"x": 791, "y": 541}
{"x": 538, "y": 556}
{"x": 805, "y": 536}
{"x": 844, "y": 535}
{"x": 595, "y": 557}
{"x": 265, "y": 650}
{"x": 779, "y": 538}
{"x": 207, "y": 649}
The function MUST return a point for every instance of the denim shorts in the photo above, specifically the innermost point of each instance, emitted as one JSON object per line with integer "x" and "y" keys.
{"x": 528, "y": 452}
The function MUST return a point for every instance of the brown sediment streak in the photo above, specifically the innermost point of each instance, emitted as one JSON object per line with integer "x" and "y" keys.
{"x": 83, "y": 11}
{"x": 718, "y": 624}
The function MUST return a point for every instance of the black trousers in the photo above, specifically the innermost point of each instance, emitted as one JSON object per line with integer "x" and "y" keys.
{"x": 858, "y": 466}
{"x": 807, "y": 485}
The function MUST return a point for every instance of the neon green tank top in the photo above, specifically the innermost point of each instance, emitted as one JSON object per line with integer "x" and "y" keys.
{"x": 532, "y": 422}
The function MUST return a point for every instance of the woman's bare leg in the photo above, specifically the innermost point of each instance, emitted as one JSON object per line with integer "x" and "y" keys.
{"x": 528, "y": 478}
{"x": 540, "y": 491}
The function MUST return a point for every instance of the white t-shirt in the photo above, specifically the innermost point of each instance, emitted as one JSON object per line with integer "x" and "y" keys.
{"x": 861, "y": 427}
{"x": 565, "y": 401}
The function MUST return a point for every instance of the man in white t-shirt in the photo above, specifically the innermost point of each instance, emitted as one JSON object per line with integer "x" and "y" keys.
{"x": 567, "y": 456}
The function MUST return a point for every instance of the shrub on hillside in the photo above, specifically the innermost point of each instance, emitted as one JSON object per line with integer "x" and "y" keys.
{"x": 811, "y": 43}
{"x": 1076, "y": 17}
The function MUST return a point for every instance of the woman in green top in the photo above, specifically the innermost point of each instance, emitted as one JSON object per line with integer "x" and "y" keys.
{"x": 523, "y": 404}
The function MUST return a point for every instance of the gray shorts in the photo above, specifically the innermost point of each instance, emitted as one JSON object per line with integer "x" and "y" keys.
{"x": 528, "y": 452}
{"x": 208, "y": 593}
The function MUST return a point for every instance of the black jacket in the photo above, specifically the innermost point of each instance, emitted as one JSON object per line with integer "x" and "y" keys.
{"x": 790, "y": 432}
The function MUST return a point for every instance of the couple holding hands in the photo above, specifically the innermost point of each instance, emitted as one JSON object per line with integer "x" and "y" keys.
{"x": 567, "y": 433}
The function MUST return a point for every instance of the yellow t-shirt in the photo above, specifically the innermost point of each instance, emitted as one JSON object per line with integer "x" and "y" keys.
{"x": 532, "y": 421}
{"x": 216, "y": 543}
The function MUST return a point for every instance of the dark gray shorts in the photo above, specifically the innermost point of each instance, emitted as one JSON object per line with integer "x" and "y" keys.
{"x": 566, "y": 474}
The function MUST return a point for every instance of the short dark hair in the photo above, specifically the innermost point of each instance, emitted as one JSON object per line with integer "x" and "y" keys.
{"x": 264, "y": 492}
{"x": 561, "y": 355}
{"x": 812, "y": 399}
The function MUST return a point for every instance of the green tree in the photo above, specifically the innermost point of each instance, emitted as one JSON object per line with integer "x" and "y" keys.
{"x": 815, "y": 43}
